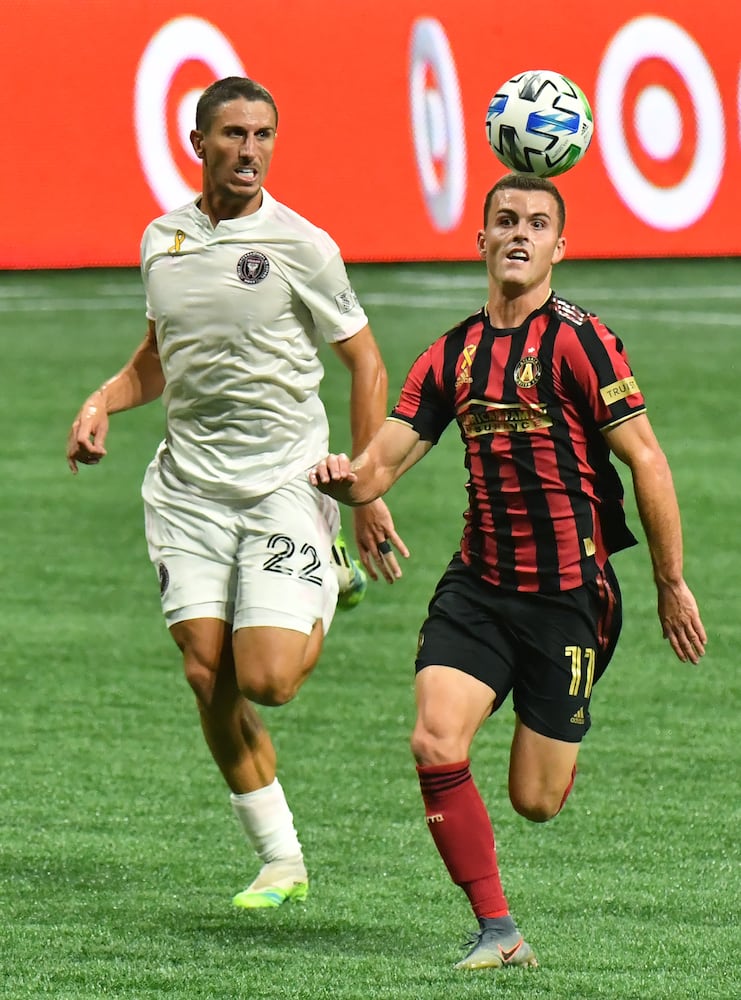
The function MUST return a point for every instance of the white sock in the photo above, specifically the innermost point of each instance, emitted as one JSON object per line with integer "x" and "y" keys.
{"x": 268, "y": 823}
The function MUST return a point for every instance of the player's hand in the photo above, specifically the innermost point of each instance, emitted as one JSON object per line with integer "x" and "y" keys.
{"x": 333, "y": 469}
{"x": 375, "y": 534}
{"x": 86, "y": 441}
{"x": 681, "y": 622}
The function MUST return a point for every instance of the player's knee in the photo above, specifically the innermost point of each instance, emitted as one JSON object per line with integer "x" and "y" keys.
{"x": 270, "y": 683}
{"x": 202, "y": 681}
{"x": 270, "y": 692}
{"x": 270, "y": 670}
{"x": 430, "y": 748}
{"x": 537, "y": 805}
{"x": 206, "y": 663}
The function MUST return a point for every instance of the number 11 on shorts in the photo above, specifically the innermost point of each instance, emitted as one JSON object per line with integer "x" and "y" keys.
{"x": 579, "y": 657}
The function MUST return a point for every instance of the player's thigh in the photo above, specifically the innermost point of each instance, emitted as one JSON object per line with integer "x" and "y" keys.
{"x": 451, "y": 706}
{"x": 193, "y": 544}
{"x": 540, "y": 770}
{"x": 285, "y": 577}
{"x": 271, "y": 661}
{"x": 208, "y": 662}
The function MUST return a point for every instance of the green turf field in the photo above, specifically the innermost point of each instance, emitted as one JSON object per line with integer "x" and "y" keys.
{"x": 119, "y": 852}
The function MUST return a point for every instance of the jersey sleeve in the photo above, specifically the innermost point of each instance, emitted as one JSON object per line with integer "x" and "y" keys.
{"x": 423, "y": 403}
{"x": 598, "y": 363}
{"x": 330, "y": 298}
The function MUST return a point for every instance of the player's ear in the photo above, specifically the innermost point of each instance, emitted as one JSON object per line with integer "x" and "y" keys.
{"x": 559, "y": 251}
{"x": 196, "y": 141}
{"x": 481, "y": 243}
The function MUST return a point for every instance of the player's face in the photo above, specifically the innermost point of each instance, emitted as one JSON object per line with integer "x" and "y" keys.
{"x": 236, "y": 152}
{"x": 521, "y": 242}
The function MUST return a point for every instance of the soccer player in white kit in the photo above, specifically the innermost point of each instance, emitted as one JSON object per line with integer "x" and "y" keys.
{"x": 241, "y": 291}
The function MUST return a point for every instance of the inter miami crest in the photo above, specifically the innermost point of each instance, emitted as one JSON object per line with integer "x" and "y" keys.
{"x": 253, "y": 267}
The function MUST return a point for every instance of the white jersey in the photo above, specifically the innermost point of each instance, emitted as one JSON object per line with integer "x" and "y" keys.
{"x": 240, "y": 310}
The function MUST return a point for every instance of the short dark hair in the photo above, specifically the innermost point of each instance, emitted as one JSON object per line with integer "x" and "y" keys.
{"x": 231, "y": 88}
{"x": 527, "y": 182}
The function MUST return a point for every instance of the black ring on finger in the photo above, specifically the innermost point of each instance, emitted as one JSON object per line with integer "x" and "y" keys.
{"x": 384, "y": 547}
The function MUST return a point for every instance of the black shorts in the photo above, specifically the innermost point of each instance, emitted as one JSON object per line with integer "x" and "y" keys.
{"x": 548, "y": 649}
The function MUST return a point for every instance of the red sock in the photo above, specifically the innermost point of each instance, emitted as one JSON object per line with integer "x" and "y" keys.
{"x": 568, "y": 788}
{"x": 463, "y": 834}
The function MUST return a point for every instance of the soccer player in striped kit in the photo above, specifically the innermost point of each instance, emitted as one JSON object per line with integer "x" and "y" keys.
{"x": 543, "y": 394}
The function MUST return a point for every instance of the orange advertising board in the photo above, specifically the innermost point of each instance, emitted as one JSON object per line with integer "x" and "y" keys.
{"x": 382, "y": 106}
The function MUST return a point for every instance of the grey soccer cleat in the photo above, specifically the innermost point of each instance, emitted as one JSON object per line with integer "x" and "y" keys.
{"x": 498, "y": 943}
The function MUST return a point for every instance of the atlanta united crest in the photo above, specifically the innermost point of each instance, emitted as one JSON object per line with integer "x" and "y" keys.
{"x": 528, "y": 372}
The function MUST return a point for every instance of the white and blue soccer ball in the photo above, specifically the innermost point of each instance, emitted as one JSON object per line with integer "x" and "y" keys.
{"x": 539, "y": 122}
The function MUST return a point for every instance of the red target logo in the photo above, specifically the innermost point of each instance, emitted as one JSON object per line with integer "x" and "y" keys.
{"x": 437, "y": 124}
{"x": 660, "y": 123}
{"x": 180, "y": 61}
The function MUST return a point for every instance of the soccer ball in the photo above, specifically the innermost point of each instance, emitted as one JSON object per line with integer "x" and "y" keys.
{"x": 539, "y": 122}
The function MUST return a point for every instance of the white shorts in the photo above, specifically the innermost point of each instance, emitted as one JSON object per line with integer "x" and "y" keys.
{"x": 253, "y": 562}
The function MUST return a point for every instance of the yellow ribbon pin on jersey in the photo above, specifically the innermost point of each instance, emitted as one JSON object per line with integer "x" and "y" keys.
{"x": 179, "y": 240}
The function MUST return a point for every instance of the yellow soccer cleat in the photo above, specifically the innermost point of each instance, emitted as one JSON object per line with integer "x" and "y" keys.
{"x": 350, "y": 575}
{"x": 278, "y": 882}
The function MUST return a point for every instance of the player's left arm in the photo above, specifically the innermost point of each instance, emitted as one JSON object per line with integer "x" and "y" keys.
{"x": 635, "y": 444}
{"x": 373, "y": 522}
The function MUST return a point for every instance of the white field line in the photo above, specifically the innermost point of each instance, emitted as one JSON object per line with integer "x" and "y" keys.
{"x": 19, "y": 290}
{"x": 450, "y": 283}
{"x": 697, "y": 319}
{"x": 668, "y": 292}
{"x": 114, "y": 297}
{"x": 699, "y": 293}
{"x": 39, "y": 305}
{"x": 616, "y": 314}
{"x": 447, "y": 302}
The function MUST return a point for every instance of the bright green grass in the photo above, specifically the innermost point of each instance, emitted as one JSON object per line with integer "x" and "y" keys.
{"x": 119, "y": 853}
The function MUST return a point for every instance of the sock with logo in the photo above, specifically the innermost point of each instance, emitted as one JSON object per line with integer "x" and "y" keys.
{"x": 463, "y": 834}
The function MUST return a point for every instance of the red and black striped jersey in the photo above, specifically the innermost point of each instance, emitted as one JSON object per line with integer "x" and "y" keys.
{"x": 545, "y": 503}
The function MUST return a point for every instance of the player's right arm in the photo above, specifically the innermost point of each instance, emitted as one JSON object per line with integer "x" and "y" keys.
{"x": 635, "y": 444}
{"x": 140, "y": 381}
{"x": 394, "y": 448}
